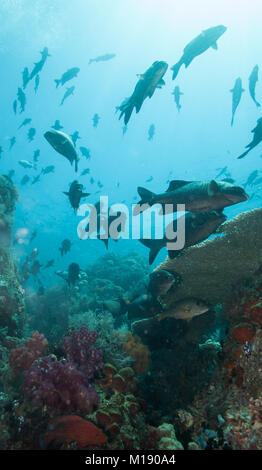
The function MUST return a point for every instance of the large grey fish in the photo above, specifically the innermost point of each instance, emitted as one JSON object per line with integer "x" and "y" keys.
{"x": 102, "y": 58}
{"x": 75, "y": 194}
{"x": 257, "y": 138}
{"x": 177, "y": 93}
{"x": 68, "y": 75}
{"x": 208, "y": 38}
{"x": 198, "y": 196}
{"x": 185, "y": 309}
{"x": 236, "y": 97}
{"x": 198, "y": 227}
{"x": 63, "y": 144}
{"x": 145, "y": 87}
{"x": 253, "y": 78}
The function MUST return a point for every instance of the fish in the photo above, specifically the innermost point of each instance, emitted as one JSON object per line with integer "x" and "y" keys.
{"x": 57, "y": 126}
{"x": 85, "y": 152}
{"x": 92, "y": 180}
{"x": 44, "y": 53}
{"x": 36, "y": 179}
{"x": 99, "y": 184}
{"x": 149, "y": 179}
{"x": 198, "y": 196}
{"x": 26, "y": 164}
{"x": 228, "y": 180}
{"x": 73, "y": 273}
{"x": 65, "y": 247}
{"x": 85, "y": 172}
{"x": 15, "y": 106}
{"x": 177, "y": 93}
{"x": 144, "y": 305}
{"x": 36, "y": 155}
{"x": 95, "y": 119}
{"x": 208, "y": 38}
{"x": 251, "y": 178}
{"x": 161, "y": 282}
{"x": 75, "y": 137}
{"x": 69, "y": 91}
{"x": 102, "y": 58}
{"x": 68, "y": 75}
{"x": 25, "y": 122}
{"x": 48, "y": 169}
{"x": 37, "y": 81}
{"x": 31, "y": 134}
{"x": 221, "y": 172}
{"x": 151, "y": 132}
{"x": 236, "y": 97}
{"x": 33, "y": 235}
{"x": 146, "y": 86}
{"x": 185, "y": 309}
{"x": 39, "y": 65}
{"x": 75, "y": 194}
{"x": 12, "y": 142}
{"x": 257, "y": 138}
{"x": 49, "y": 264}
{"x": 198, "y": 227}
{"x": 253, "y": 78}
{"x": 22, "y": 99}
{"x": 25, "y": 76}
{"x": 25, "y": 180}
{"x": 35, "y": 268}
{"x": 63, "y": 144}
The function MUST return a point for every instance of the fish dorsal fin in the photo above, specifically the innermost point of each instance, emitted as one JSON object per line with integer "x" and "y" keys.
{"x": 214, "y": 46}
{"x": 176, "y": 184}
{"x": 213, "y": 188}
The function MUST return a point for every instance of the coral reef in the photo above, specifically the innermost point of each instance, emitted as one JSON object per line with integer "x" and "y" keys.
{"x": 210, "y": 269}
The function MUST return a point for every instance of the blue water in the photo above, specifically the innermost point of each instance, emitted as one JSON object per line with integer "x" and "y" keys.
{"x": 192, "y": 144}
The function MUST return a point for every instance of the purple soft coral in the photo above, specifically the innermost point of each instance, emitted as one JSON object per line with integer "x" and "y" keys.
{"x": 80, "y": 351}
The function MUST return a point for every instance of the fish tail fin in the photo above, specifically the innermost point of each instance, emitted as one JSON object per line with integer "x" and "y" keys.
{"x": 175, "y": 69}
{"x": 244, "y": 154}
{"x": 57, "y": 81}
{"x": 154, "y": 248}
{"x": 146, "y": 197}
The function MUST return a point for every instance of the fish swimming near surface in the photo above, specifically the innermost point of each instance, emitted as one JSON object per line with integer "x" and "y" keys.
{"x": 198, "y": 196}
{"x": 185, "y": 309}
{"x": 177, "y": 93}
{"x": 85, "y": 172}
{"x": 25, "y": 122}
{"x": 65, "y": 247}
{"x": 236, "y": 97}
{"x": 15, "y": 106}
{"x": 36, "y": 155}
{"x": 38, "y": 66}
{"x": 95, "y": 119}
{"x": 73, "y": 273}
{"x": 208, "y": 38}
{"x": 24, "y": 180}
{"x": 149, "y": 179}
{"x": 75, "y": 194}
{"x": 57, "y": 126}
{"x": 102, "y": 58}
{"x": 161, "y": 282}
{"x": 63, "y": 144}
{"x": 48, "y": 169}
{"x": 198, "y": 227}
{"x": 151, "y": 132}
{"x": 146, "y": 86}
{"x": 75, "y": 137}
{"x": 85, "y": 152}
{"x": 26, "y": 77}
{"x": 257, "y": 138}
{"x": 44, "y": 53}
{"x": 36, "y": 179}
{"x": 253, "y": 78}
{"x": 31, "y": 134}
{"x": 37, "y": 81}
{"x": 26, "y": 164}
{"x": 12, "y": 142}
{"x": 69, "y": 92}
{"x": 221, "y": 172}
{"x": 68, "y": 75}
{"x": 22, "y": 99}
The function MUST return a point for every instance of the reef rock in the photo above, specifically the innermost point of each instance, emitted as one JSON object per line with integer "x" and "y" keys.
{"x": 211, "y": 269}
